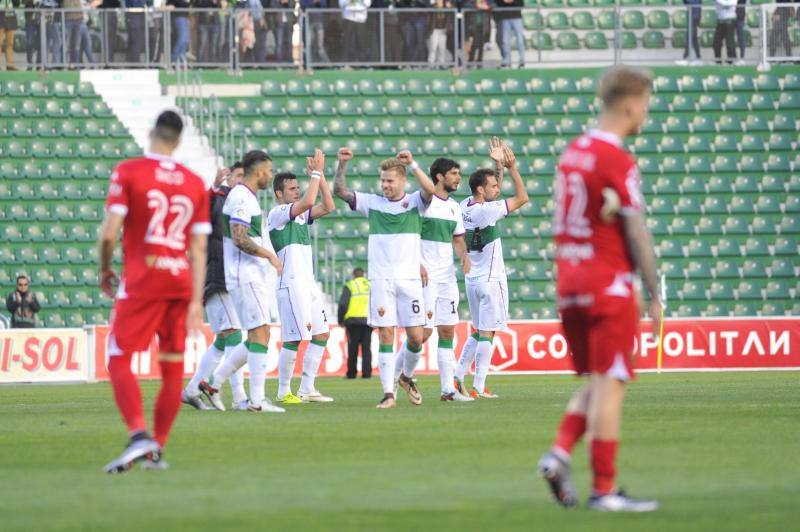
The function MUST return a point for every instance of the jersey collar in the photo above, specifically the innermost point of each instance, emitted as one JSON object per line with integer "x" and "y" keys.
{"x": 159, "y": 157}
{"x": 605, "y": 136}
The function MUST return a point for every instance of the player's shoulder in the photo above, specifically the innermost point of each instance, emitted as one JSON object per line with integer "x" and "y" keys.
{"x": 191, "y": 179}
{"x": 127, "y": 166}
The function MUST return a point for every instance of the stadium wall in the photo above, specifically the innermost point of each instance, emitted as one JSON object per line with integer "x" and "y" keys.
{"x": 79, "y": 355}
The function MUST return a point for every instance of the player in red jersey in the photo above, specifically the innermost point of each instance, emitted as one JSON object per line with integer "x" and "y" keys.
{"x": 601, "y": 239}
{"x": 163, "y": 209}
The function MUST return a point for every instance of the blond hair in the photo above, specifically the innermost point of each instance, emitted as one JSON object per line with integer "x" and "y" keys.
{"x": 621, "y": 81}
{"x": 395, "y": 164}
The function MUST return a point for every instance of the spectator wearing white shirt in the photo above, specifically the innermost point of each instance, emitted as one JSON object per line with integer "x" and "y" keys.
{"x": 354, "y": 13}
{"x": 726, "y": 29}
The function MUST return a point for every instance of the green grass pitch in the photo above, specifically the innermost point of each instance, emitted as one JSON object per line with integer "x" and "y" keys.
{"x": 719, "y": 450}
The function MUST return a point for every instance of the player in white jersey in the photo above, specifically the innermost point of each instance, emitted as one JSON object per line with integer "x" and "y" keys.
{"x": 443, "y": 232}
{"x": 486, "y": 283}
{"x": 300, "y": 301}
{"x": 394, "y": 264}
{"x": 246, "y": 261}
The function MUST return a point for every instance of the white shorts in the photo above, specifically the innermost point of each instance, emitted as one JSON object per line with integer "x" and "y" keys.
{"x": 251, "y": 303}
{"x": 488, "y": 305}
{"x": 221, "y": 313}
{"x": 441, "y": 304}
{"x": 396, "y": 303}
{"x": 302, "y": 313}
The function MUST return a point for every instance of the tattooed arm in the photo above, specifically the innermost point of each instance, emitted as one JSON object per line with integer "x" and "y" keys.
{"x": 340, "y": 189}
{"x": 246, "y": 245}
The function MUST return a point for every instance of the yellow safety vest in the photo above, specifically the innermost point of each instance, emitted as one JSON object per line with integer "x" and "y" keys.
{"x": 359, "y": 298}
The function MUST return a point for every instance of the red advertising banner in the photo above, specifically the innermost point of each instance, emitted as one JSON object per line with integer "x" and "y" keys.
{"x": 539, "y": 346}
{"x": 43, "y": 355}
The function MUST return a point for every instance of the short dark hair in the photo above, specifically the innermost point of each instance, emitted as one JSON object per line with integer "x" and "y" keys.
{"x": 252, "y": 159}
{"x": 280, "y": 179}
{"x": 442, "y": 166}
{"x": 169, "y": 126}
{"x": 478, "y": 178}
{"x": 358, "y": 272}
{"x": 22, "y": 276}
{"x": 236, "y": 165}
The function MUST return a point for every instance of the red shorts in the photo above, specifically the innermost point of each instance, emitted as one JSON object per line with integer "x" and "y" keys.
{"x": 602, "y": 336}
{"x": 135, "y": 321}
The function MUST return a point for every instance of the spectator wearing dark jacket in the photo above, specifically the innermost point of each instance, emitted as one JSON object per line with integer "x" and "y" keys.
{"x": 315, "y": 39}
{"x": 22, "y": 305}
{"x": 33, "y": 43}
{"x": 208, "y": 30}
{"x": 8, "y": 25}
{"x": 741, "y": 15}
{"x": 282, "y": 23}
{"x": 108, "y": 24}
{"x": 414, "y": 26}
{"x": 694, "y": 11}
{"x": 512, "y": 24}
{"x": 779, "y": 34}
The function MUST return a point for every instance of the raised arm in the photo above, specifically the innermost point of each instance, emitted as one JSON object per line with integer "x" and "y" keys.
{"x": 107, "y": 240}
{"x": 520, "y": 194}
{"x": 326, "y": 206}
{"x": 245, "y": 244}
{"x": 315, "y": 166}
{"x": 339, "y": 186}
{"x": 460, "y": 247}
{"x": 640, "y": 247}
{"x": 427, "y": 188}
{"x": 496, "y": 153}
{"x": 198, "y": 246}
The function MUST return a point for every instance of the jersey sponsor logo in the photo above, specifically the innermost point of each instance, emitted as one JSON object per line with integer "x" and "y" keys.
{"x": 174, "y": 265}
{"x": 575, "y": 252}
{"x": 170, "y": 177}
{"x": 582, "y": 160}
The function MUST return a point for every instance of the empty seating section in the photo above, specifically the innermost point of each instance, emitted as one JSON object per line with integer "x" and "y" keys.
{"x": 718, "y": 155}
{"x": 58, "y": 144}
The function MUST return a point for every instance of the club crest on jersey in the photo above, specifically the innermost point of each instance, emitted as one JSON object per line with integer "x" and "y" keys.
{"x": 381, "y": 311}
{"x": 430, "y": 314}
{"x": 308, "y": 326}
{"x": 405, "y": 204}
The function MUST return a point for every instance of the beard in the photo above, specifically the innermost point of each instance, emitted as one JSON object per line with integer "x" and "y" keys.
{"x": 450, "y": 188}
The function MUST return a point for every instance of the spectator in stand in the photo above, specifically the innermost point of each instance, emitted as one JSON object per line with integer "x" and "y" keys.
{"x": 33, "y": 42}
{"x": 86, "y": 40}
{"x": 8, "y": 25}
{"x": 497, "y": 16}
{"x": 208, "y": 30}
{"x": 22, "y": 305}
{"x": 695, "y": 12}
{"x": 134, "y": 22}
{"x": 392, "y": 34}
{"x": 354, "y": 15}
{"x": 73, "y": 19}
{"x": 725, "y": 30}
{"x": 315, "y": 39}
{"x": 414, "y": 26}
{"x": 780, "y": 29}
{"x": 282, "y": 23}
{"x": 478, "y": 24}
{"x": 108, "y": 26}
{"x": 512, "y": 24}
{"x": 741, "y": 13}
{"x": 440, "y": 20}
{"x": 180, "y": 27}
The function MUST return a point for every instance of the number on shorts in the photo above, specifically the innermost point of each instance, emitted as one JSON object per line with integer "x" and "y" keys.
{"x": 324, "y": 316}
{"x": 453, "y": 307}
{"x": 173, "y": 236}
{"x": 415, "y": 306}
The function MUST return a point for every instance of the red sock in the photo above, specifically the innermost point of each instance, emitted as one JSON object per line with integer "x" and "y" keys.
{"x": 572, "y": 428}
{"x": 168, "y": 401}
{"x": 604, "y": 457}
{"x": 126, "y": 391}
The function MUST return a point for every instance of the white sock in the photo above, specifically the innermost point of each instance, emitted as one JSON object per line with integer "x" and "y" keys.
{"x": 208, "y": 363}
{"x": 483, "y": 358}
{"x": 231, "y": 364}
{"x": 236, "y": 379}
{"x": 257, "y": 364}
{"x": 447, "y": 366}
{"x": 311, "y": 361}
{"x": 286, "y": 361}
{"x": 386, "y": 365}
{"x": 410, "y": 360}
{"x": 467, "y": 356}
{"x": 399, "y": 362}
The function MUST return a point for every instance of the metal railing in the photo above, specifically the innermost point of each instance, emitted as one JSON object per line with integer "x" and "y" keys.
{"x": 236, "y": 39}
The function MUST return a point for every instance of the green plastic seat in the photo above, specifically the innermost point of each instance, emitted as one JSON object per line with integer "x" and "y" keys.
{"x": 751, "y": 163}
{"x": 669, "y": 248}
{"x": 709, "y": 103}
{"x": 567, "y": 40}
{"x": 752, "y": 269}
{"x": 720, "y": 290}
{"x": 788, "y": 100}
{"x": 540, "y": 41}
{"x": 628, "y": 40}
{"x": 658, "y": 19}
{"x": 691, "y": 83}
{"x": 607, "y": 20}
{"x": 702, "y": 124}
{"x": 676, "y": 124}
{"x": 557, "y": 21}
{"x": 653, "y": 40}
{"x": 734, "y": 102}
{"x": 531, "y": 20}
{"x": 747, "y": 290}
{"x": 596, "y": 40}
{"x": 756, "y": 123}
{"x": 781, "y": 268}
{"x": 582, "y": 20}
{"x": 633, "y": 20}
{"x": 756, "y": 247}
{"x": 789, "y": 225}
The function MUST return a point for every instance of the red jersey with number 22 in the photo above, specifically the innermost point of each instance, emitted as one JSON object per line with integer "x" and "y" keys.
{"x": 591, "y": 254}
{"x": 163, "y": 204}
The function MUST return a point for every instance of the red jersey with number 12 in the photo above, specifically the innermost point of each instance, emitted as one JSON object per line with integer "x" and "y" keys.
{"x": 591, "y": 254}
{"x": 163, "y": 204}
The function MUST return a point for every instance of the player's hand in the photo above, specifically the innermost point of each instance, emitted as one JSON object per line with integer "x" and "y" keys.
{"x": 654, "y": 310}
{"x": 345, "y": 154}
{"x": 194, "y": 317}
{"x": 316, "y": 163}
{"x": 466, "y": 265}
{"x": 276, "y": 263}
{"x": 509, "y": 157}
{"x": 109, "y": 283}
{"x": 424, "y": 274}
{"x": 405, "y": 157}
{"x": 222, "y": 175}
{"x": 496, "y": 150}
